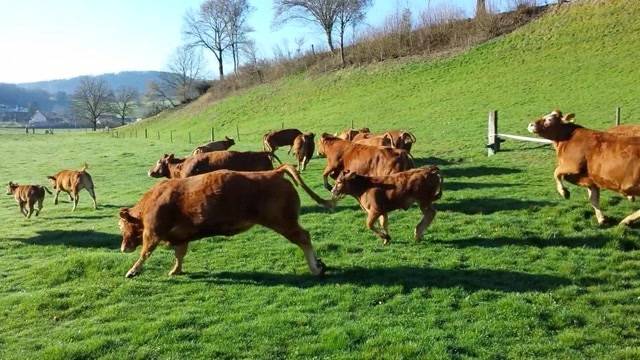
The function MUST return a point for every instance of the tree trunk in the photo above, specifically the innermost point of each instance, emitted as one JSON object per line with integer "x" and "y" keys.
{"x": 220, "y": 66}
{"x": 95, "y": 123}
{"x": 330, "y": 40}
{"x": 344, "y": 63}
{"x": 122, "y": 118}
{"x": 481, "y": 7}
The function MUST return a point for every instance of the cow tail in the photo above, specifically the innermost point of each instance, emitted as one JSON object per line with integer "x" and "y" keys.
{"x": 47, "y": 190}
{"x": 438, "y": 193}
{"x": 297, "y": 179}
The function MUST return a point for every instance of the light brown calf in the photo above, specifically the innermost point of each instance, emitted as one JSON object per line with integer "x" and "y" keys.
{"x": 222, "y": 202}
{"x": 71, "y": 182}
{"x": 271, "y": 141}
{"x": 29, "y": 196}
{"x": 379, "y": 195}
{"x": 303, "y": 149}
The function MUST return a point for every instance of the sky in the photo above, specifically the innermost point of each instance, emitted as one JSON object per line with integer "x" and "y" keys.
{"x": 57, "y": 39}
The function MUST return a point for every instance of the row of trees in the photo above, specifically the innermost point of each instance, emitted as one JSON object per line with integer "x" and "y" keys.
{"x": 93, "y": 98}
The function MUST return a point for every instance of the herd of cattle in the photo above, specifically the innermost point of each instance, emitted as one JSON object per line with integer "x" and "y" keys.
{"x": 220, "y": 192}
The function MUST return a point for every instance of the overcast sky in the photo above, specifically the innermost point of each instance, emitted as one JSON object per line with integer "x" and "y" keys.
{"x": 53, "y": 39}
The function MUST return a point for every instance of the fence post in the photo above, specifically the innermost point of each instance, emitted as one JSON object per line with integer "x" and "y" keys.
{"x": 237, "y": 132}
{"x": 213, "y": 134}
{"x": 158, "y": 134}
{"x": 145, "y": 133}
{"x": 282, "y": 124}
{"x": 493, "y": 144}
{"x": 617, "y": 115}
{"x": 352, "y": 123}
{"x": 189, "y": 137}
{"x": 171, "y": 135}
{"x": 116, "y": 134}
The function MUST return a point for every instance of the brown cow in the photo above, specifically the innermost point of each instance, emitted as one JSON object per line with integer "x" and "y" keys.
{"x": 362, "y": 159}
{"x": 379, "y": 195}
{"x": 401, "y": 139}
{"x": 373, "y": 140}
{"x": 171, "y": 167}
{"x": 349, "y": 134}
{"x": 592, "y": 159}
{"x": 271, "y": 141}
{"x": 28, "y": 195}
{"x": 303, "y": 148}
{"x": 215, "y": 146}
{"x": 223, "y": 202}
{"x": 71, "y": 182}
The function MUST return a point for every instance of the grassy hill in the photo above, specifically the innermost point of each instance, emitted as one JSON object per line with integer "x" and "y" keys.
{"x": 507, "y": 270}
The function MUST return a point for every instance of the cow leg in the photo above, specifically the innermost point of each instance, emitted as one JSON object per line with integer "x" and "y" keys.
{"x": 55, "y": 198}
{"x": 23, "y": 211}
{"x": 631, "y": 218}
{"x": 372, "y": 216}
{"x": 30, "y": 204}
{"x": 558, "y": 175}
{"x": 631, "y": 198}
{"x": 299, "y": 236}
{"x": 76, "y": 197}
{"x": 325, "y": 177}
{"x": 180, "y": 252}
{"x": 70, "y": 197}
{"x": 428, "y": 213}
{"x": 594, "y": 198}
{"x": 39, "y": 206}
{"x": 148, "y": 245}
{"x": 305, "y": 161}
{"x": 384, "y": 225}
{"x": 92, "y": 193}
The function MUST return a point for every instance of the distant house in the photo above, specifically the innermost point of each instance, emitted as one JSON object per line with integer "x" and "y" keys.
{"x": 38, "y": 119}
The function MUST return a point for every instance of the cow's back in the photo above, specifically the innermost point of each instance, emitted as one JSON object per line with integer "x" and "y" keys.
{"x": 229, "y": 160}
{"x": 376, "y": 161}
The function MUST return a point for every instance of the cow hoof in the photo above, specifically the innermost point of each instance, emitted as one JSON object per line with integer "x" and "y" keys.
{"x": 174, "y": 273}
{"x": 566, "y": 194}
{"x": 321, "y": 266}
{"x": 130, "y": 274}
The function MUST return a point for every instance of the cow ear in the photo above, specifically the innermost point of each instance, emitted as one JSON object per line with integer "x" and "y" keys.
{"x": 569, "y": 118}
{"x": 557, "y": 112}
{"x": 126, "y": 215}
{"x": 171, "y": 156}
{"x": 165, "y": 155}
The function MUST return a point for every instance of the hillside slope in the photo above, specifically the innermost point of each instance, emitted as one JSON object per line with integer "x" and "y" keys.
{"x": 580, "y": 58}
{"x": 136, "y": 79}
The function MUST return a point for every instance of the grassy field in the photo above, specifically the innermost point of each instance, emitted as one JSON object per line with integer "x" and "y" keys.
{"x": 507, "y": 270}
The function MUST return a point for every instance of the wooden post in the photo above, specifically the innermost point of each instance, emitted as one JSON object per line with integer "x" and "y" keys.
{"x": 158, "y": 134}
{"x": 145, "y": 134}
{"x": 282, "y": 124}
{"x": 237, "y": 132}
{"x": 171, "y": 136}
{"x": 618, "y": 116}
{"x": 351, "y": 123}
{"x": 189, "y": 137}
{"x": 116, "y": 134}
{"x": 493, "y": 144}
{"x": 136, "y": 133}
{"x": 213, "y": 134}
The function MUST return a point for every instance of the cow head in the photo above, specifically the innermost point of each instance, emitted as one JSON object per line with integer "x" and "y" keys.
{"x": 321, "y": 141}
{"x": 11, "y": 188}
{"x": 131, "y": 229}
{"x": 161, "y": 169}
{"x": 344, "y": 184}
{"x": 52, "y": 181}
{"x": 405, "y": 140}
{"x": 554, "y": 126}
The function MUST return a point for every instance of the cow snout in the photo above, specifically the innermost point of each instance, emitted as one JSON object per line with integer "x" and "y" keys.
{"x": 532, "y": 128}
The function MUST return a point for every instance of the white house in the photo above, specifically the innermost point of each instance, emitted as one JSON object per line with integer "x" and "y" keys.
{"x": 38, "y": 119}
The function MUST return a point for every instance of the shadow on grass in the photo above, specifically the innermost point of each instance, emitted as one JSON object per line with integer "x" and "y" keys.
{"x": 627, "y": 243}
{"x": 81, "y": 239}
{"x": 489, "y": 205}
{"x": 461, "y": 185}
{"x": 408, "y": 277}
{"x": 432, "y": 160}
{"x": 315, "y": 209}
{"x": 475, "y": 171}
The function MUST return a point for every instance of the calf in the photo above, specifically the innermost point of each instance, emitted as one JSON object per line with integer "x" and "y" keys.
{"x": 362, "y": 159}
{"x": 71, "y": 182}
{"x": 379, "y": 195}
{"x": 215, "y": 146}
{"x": 28, "y": 195}
{"x": 224, "y": 202}
{"x": 592, "y": 159}
{"x": 171, "y": 167}
{"x": 303, "y": 148}
{"x": 271, "y": 141}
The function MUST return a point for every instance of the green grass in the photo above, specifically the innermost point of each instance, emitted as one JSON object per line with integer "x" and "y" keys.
{"x": 507, "y": 270}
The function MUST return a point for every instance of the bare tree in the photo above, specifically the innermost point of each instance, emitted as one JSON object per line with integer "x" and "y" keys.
{"x": 320, "y": 12}
{"x": 125, "y": 101}
{"x": 350, "y": 12}
{"x": 159, "y": 92}
{"x": 481, "y": 7}
{"x": 185, "y": 69}
{"x": 237, "y": 13}
{"x": 92, "y": 98}
{"x": 209, "y": 28}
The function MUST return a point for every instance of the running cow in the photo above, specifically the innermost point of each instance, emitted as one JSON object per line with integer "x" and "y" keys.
{"x": 225, "y": 203}
{"x": 27, "y": 196}
{"x": 271, "y": 141}
{"x": 303, "y": 148}
{"x": 71, "y": 182}
{"x": 215, "y": 146}
{"x": 592, "y": 159}
{"x": 379, "y": 195}
{"x": 361, "y": 159}
{"x": 171, "y": 167}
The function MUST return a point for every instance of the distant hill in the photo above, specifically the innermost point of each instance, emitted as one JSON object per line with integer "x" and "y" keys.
{"x": 135, "y": 79}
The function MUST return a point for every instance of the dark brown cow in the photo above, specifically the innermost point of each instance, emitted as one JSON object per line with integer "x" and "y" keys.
{"x": 592, "y": 159}
{"x": 349, "y": 134}
{"x": 379, "y": 195}
{"x": 27, "y": 195}
{"x": 401, "y": 139}
{"x": 271, "y": 141}
{"x": 361, "y": 159}
{"x": 223, "y": 202}
{"x": 71, "y": 182}
{"x": 171, "y": 167}
{"x": 215, "y": 146}
{"x": 303, "y": 148}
